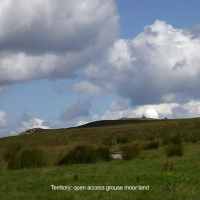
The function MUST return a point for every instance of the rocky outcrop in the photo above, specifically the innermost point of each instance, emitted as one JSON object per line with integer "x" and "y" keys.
{"x": 30, "y": 131}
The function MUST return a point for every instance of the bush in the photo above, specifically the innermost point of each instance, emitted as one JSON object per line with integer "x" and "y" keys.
{"x": 130, "y": 152}
{"x": 174, "y": 150}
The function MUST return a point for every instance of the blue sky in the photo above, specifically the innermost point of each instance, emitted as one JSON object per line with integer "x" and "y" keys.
{"x": 66, "y": 63}
{"x": 136, "y": 14}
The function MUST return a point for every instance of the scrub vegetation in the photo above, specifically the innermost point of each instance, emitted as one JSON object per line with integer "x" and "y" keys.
{"x": 162, "y": 155}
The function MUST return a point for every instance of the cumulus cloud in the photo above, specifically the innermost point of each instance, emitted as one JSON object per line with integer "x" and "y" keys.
{"x": 4, "y": 122}
{"x": 24, "y": 122}
{"x": 82, "y": 122}
{"x": 160, "y": 65}
{"x": 88, "y": 89}
{"x": 170, "y": 110}
{"x": 77, "y": 109}
{"x": 117, "y": 105}
{"x": 52, "y": 39}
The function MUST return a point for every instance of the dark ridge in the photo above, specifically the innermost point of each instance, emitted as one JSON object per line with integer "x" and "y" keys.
{"x": 117, "y": 122}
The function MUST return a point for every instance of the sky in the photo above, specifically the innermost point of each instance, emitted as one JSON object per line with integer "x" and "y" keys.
{"x": 66, "y": 63}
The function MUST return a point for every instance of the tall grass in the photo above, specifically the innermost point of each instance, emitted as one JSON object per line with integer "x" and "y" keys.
{"x": 154, "y": 144}
{"x": 85, "y": 154}
{"x": 11, "y": 151}
{"x": 109, "y": 141}
{"x": 104, "y": 154}
{"x": 32, "y": 158}
{"x": 175, "y": 146}
{"x": 174, "y": 150}
{"x": 29, "y": 158}
{"x": 122, "y": 139}
{"x": 131, "y": 151}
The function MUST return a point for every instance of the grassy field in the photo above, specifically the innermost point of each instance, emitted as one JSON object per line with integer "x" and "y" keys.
{"x": 165, "y": 177}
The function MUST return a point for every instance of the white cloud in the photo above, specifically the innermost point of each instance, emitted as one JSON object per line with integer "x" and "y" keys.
{"x": 170, "y": 110}
{"x": 81, "y": 122}
{"x": 24, "y": 122}
{"x": 77, "y": 109}
{"x": 160, "y": 65}
{"x": 117, "y": 105}
{"x": 190, "y": 109}
{"x": 52, "y": 39}
{"x": 3, "y": 119}
{"x": 88, "y": 89}
{"x": 34, "y": 123}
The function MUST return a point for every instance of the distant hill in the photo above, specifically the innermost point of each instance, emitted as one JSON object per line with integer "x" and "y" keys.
{"x": 117, "y": 122}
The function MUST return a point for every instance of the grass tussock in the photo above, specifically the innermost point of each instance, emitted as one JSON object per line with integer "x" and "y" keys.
{"x": 60, "y": 145}
{"x": 174, "y": 150}
{"x": 29, "y": 158}
{"x": 104, "y": 154}
{"x": 174, "y": 146}
{"x": 109, "y": 141}
{"x": 132, "y": 151}
{"x": 33, "y": 158}
{"x": 84, "y": 154}
{"x": 174, "y": 139}
{"x": 154, "y": 144}
{"x": 11, "y": 151}
{"x": 122, "y": 139}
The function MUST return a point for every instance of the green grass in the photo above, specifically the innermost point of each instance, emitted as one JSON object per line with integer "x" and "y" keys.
{"x": 180, "y": 183}
{"x": 149, "y": 168}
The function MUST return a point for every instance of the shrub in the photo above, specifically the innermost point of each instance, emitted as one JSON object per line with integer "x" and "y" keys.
{"x": 130, "y": 152}
{"x": 174, "y": 150}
